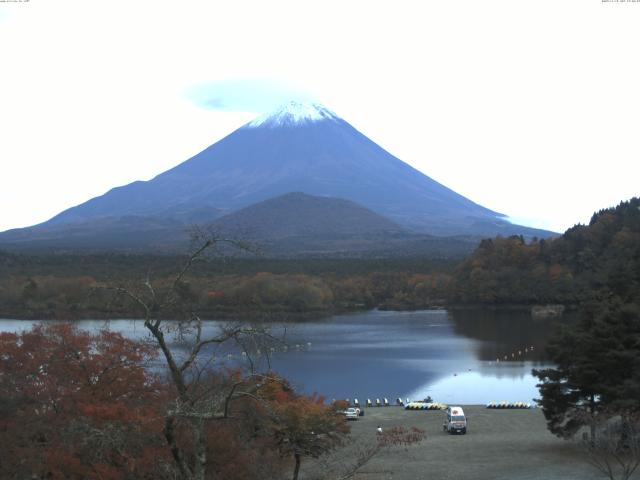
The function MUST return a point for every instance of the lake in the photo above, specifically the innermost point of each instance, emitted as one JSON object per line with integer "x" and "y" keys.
{"x": 458, "y": 356}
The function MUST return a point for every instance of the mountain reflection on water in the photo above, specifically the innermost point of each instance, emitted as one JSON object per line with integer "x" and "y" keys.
{"x": 501, "y": 331}
{"x": 449, "y": 355}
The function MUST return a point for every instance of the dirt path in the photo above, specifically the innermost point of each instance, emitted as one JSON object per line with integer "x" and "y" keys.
{"x": 499, "y": 444}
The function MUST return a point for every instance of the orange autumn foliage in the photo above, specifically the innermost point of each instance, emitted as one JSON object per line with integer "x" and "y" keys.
{"x": 77, "y": 405}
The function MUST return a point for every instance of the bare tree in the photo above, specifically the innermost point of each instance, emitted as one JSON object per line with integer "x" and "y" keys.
{"x": 613, "y": 448}
{"x": 198, "y": 398}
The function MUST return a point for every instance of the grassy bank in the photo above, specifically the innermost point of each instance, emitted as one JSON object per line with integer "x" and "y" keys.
{"x": 500, "y": 444}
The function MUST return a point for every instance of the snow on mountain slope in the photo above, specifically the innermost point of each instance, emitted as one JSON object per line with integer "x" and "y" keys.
{"x": 293, "y": 113}
{"x": 300, "y": 147}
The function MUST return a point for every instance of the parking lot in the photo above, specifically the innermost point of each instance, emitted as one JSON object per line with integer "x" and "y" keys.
{"x": 499, "y": 444}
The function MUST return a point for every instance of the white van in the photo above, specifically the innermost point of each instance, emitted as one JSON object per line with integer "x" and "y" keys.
{"x": 455, "y": 421}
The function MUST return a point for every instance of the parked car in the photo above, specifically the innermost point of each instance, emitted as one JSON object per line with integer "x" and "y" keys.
{"x": 455, "y": 421}
{"x": 351, "y": 413}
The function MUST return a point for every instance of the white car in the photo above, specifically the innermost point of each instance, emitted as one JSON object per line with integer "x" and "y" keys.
{"x": 455, "y": 421}
{"x": 351, "y": 413}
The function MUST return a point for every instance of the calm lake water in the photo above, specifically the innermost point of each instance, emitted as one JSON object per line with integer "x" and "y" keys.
{"x": 450, "y": 355}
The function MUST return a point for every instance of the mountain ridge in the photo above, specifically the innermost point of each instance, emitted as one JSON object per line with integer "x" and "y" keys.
{"x": 300, "y": 148}
{"x": 300, "y": 214}
{"x": 294, "y": 225}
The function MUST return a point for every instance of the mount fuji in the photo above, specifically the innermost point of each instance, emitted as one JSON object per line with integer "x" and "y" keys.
{"x": 300, "y": 147}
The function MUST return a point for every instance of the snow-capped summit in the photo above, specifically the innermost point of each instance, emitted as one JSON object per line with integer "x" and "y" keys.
{"x": 293, "y": 113}
{"x": 301, "y": 147}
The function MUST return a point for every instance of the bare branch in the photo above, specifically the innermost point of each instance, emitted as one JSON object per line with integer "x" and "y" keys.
{"x": 615, "y": 449}
{"x": 147, "y": 283}
{"x": 198, "y": 400}
{"x": 135, "y": 298}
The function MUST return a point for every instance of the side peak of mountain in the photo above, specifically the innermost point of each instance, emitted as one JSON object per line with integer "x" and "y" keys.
{"x": 300, "y": 214}
{"x": 300, "y": 147}
{"x": 293, "y": 113}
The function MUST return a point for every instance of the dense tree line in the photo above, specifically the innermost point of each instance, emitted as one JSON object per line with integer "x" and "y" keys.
{"x": 114, "y": 265}
{"x": 597, "y": 367}
{"x": 31, "y": 288}
{"x": 594, "y": 386}
{"x": 586, "y": 260}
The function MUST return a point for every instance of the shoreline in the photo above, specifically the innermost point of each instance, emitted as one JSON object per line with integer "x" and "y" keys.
{"x": 264, "y": 315}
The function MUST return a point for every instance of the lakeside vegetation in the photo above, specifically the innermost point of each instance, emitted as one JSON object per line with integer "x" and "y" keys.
{"x": 69, "y": 286}
{"x": 593, "y": 390}
{"x": 586, "y": 261}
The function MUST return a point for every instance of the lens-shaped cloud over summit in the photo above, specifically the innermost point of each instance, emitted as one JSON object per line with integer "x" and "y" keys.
{"x": 245, "y": 95}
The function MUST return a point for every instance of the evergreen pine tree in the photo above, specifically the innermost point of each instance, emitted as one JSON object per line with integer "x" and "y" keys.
{"x": 598, "y": 367}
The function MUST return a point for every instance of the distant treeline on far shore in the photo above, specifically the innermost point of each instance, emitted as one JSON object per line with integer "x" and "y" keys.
{"x": 501, "y": 271}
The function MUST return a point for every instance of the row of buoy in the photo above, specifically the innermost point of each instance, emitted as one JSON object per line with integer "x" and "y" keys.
{"x": 421, "y": 405}
{"x": 425, "y": 406}
{"x": 514, "y": 355}
{"x": 501, "y": 405}
{"x": 270, "y": 350}
{"x": 377, "y": 403}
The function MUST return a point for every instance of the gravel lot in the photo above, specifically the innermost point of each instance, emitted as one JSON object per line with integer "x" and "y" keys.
{"x": 499, "y": 444}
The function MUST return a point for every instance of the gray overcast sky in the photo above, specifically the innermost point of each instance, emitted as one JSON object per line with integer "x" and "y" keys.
{"x": 529, "y": 108}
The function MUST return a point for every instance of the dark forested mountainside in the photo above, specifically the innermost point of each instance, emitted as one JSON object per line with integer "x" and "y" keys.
{"x": 587, "y": 261}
